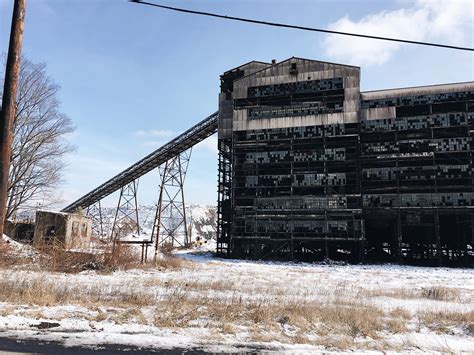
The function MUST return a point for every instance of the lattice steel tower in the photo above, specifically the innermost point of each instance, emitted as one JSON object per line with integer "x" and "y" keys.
{"x": 170, "y": 225}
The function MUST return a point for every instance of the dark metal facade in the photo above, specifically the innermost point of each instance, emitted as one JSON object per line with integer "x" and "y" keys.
{"x": 417, "y": 174}
{"x": 309, "y": 167}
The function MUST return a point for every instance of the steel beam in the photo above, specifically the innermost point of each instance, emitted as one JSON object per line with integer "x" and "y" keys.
{"x": 170, "y": 225}
{"x": 95, "y": 213}
{"x": 126, "y": 216}
{"x": 176, "y": 146}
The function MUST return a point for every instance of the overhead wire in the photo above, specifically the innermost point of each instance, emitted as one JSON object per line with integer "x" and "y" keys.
{"x": 304, "y": 28}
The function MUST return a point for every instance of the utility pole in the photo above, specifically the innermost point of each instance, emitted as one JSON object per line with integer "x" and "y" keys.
{"x": 7, "y": 114}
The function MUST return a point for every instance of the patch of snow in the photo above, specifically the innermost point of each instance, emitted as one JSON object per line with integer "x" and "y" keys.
{"x": 260, "y": 281}
{"x": 19, "y": 249}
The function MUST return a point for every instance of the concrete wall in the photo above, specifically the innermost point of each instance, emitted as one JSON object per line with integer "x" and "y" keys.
{"x": 73, "y": 230}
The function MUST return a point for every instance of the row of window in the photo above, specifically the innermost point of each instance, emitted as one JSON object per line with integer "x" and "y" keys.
{"x": 332, "y": 154}
{"x": 418, "y": 99}
{"x": 419, "y": 200}
{"x": 432, "y": 145}
{"x": 418, "y": 122}
{"x": 299, "y": 87}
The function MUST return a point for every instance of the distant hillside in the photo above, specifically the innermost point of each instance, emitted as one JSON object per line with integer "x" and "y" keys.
{"x": 203, "y": 220}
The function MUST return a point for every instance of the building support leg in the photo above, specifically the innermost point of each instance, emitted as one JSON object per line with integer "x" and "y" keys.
{"x": 170, "y": 224}
{"x": 126, "y": 216}
{"x": 399, "y": 239}
{"x": 95, "y": 213}
{"x": 439, "y": 251}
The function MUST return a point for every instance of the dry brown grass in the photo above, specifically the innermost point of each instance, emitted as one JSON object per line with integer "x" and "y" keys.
{"x": 121, "y": 257}
{"x": 338, "y": 319}
{"x": 127, "y": 316}
{"x": 8, "y": 257}
{"x": 440, "y": 293}
{"x": 5, "y": 254}
{"x": 437, "y": 293}
{"x": 335, "y": 342}
{"x": 340, "y": 322}
{"x": 54, "y": 257}
{"x": 397, "y": 320}
{"x": 398, "y": 293}
{"x": 352, "y": 319}
{"x": 400, "y": 313}
{"x": 444, "y": 321}
{"x": 171, "y": 262}
{"x": 42, "y": 292}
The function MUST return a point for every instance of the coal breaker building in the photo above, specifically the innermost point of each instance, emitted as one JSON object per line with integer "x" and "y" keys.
{"x": 312, "y": 168}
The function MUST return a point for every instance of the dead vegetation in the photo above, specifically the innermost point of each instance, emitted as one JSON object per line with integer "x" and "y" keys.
{"x": 40, "y": 291}
{"x": 444, "y": 321}
{"x": 339, "y": 318}
{"x": 54, "y": 257}
{"x": 338, "y": 322}
{"x": 179, "y": 306}
{"x": 351, "y": 319}
{"x": 6, "y": 252}
{"x": 437, "y": 293}
{"x": 440, "y": 293}
{"x": 171, "y": 262}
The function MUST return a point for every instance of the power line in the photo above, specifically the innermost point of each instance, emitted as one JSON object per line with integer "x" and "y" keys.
{"x": 275, "y": 24}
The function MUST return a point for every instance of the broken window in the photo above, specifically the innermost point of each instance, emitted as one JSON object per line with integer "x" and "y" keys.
{"x": 50, "y": 231}
{"x": 84, "y": 230}
{"x": 75, "y": 229}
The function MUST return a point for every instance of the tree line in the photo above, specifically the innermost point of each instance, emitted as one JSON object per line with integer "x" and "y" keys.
{"x": 39, "y": 140}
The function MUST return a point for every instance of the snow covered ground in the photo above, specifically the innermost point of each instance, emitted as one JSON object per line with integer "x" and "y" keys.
{"x": 237, "y": 306}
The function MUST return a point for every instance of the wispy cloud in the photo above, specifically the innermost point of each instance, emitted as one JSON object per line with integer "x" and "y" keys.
{"x": 154, "y": 133}
{"x": 209, "y": 144}
{"x": 450, "y": 21}
{"x": 154, "y": 144}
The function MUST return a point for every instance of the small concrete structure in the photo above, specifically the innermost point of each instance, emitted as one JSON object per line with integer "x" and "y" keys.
{"x": 72, "y": 229}
{"x": 21, "y": 231}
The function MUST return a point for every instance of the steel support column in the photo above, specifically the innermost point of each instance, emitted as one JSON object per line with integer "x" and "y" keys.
{"x": 439, "y": 248}
{"x": 95, "y": 213}
{"x": 126, "y": 216}
{"x": 170, "y": 225}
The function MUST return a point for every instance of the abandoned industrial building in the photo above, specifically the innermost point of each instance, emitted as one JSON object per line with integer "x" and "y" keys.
{"x": 71, "y": 230}
{"x": 312, "y": 168}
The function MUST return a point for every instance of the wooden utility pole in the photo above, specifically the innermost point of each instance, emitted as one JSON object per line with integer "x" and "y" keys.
{"x": 7, "y": 114}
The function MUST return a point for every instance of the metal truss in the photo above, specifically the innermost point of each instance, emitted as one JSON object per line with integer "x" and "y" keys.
{"x": 176, "y": 146}
{"x": 224, "y": 197}
{"x": 126, "y": 216}
{"x": 170, "y": 227}
{"x": 95, "y": 213}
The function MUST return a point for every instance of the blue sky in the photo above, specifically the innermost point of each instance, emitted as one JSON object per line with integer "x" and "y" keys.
{"x": 133, "y": 76}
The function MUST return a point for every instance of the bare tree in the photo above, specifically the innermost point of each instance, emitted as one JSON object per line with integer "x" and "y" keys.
{"x": 39, "y": 143}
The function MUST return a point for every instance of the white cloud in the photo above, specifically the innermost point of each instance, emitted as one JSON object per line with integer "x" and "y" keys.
{"x": 448, "y": 21}
{"x": 155, "y": 133}
{"x": 72, "y": 136}
{"x": 154, "y": 138}
{"x": 209, "y": 143}
{"x": 153, "y": 144}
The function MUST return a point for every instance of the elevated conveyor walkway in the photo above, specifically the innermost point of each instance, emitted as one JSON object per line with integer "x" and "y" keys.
{"x": 184, "y": 141}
